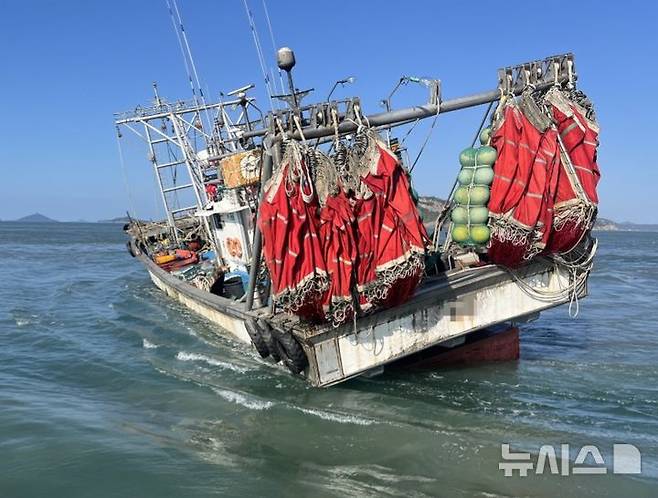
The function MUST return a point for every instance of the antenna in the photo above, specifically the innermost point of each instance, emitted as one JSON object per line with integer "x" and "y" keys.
{"x": 158, "y": 101}
{"x": 285, "y": 59}
{"x": 242, "y": 89}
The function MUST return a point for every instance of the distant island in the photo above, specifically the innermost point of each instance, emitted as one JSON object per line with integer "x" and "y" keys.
{"x": 36, "y": 218}
{"x": 120, "y": 219}
{"x": 123, "y": 220}
{"x": 430, "y": 207}
{"x": 41, "y": 218}
{"x": 606, "y": 225}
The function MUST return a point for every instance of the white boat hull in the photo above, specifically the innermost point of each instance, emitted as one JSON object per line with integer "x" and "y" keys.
{"x": 230, "y": 324}
{"x": 370, "y": 347}
{"x": 437, "y": 315}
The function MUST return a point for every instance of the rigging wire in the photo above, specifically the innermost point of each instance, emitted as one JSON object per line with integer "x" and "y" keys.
{"x": 484, "y": 120}
{"x": 427, "y": 139}
{"x": 259, "y": 52}
{"x": 186, "y": 52}
{"x": 182, "y": 50}
{"x": 269, "y": 26}
{"x": 131, "y": 203}
{"x": 189, "y": 50}
{"x": 413, "y": 126}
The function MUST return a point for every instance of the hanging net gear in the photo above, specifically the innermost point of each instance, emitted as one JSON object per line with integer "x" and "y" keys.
{"x": 576, "y": 198}
{"x": 341, "y": 229}
{"x": 291, "y": 243}
{"x": 390, "y": 229}
{"x": 543, "y": 197}
{"x": 337, "y": 238}
{"x": 520, "y": 202}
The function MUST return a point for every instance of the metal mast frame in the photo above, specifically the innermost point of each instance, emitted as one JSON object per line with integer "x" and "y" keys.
{"x": 179, "y": 125}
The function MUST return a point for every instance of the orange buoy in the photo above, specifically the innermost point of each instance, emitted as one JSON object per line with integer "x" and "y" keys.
{"x": 164, "y": 258}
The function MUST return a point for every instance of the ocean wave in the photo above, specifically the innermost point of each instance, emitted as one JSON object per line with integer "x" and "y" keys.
{"x": 244, "y": 400}
{"x": 336, "y": 417}
{"x": 148, "y": 344}
{"x": 254, "y": 403}
{"x": 185, "y": 356}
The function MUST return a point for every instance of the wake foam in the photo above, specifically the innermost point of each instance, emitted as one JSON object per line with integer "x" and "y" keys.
{"x": 243, "y": 400}
{"x": 185, "y": 356}
{"x": 146, "y": 344}
{"x": 335, "y": 417}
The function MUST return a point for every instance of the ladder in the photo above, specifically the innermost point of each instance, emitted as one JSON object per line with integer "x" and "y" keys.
{"x": 175, "y": 132}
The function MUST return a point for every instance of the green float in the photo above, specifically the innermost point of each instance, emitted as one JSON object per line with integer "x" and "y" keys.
{"x": 483, "y": 176}
{"x": 485, "y": 136}
{"x": 486, "y": 155}
{"x": 480, "y": 234}
{"x": 465, "y": 176}
{"x": 478, "y": 215}
{"x": 460, "y": 233}
{"x": 467, "y": 157}
{"x": 477, "y": 195}
{"x": 462, "y": 215}
{"x": 470, "y": 215}
{"x": 461, "y": 196}
{"x": 459, "y": 215}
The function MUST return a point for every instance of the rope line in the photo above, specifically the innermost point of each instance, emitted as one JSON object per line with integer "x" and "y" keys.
{"x": 186, "y": 52}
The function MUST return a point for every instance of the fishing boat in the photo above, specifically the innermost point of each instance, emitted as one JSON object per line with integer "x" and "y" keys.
{"x": 301, "y": 236}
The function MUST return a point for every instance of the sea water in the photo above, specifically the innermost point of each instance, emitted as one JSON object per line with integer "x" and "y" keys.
{"x": 108, "y": 388}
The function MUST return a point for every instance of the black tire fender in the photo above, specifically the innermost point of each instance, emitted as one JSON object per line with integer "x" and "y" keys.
{"x": 266, "y": 333}
{"x": 291, "y": 352}
{"x": 256, "y": 337}
{"x": 131, "y": 251}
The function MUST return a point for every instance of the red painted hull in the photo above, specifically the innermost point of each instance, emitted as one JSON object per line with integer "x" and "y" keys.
{"x": 499, "y": 346}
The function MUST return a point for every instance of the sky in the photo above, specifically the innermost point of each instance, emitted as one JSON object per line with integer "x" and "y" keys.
{"x": 68, "y": 65}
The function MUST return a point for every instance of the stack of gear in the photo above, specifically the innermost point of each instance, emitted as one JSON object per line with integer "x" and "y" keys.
{"x": 347, "y": 238}
{"x": 470, "y": 215}
{"x": 543, "y": 196}
{"x": 241, "y": 169}
{"x": 200, "y": 275}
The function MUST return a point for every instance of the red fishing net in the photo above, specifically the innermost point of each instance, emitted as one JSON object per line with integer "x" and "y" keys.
{"x": 360, "y": 237}
{"x": 543, "y": 197}
{"x": 291, "y": 244}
